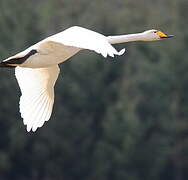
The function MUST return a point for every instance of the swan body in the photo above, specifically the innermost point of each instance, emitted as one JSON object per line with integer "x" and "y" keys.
{"x": 37, "y": 67}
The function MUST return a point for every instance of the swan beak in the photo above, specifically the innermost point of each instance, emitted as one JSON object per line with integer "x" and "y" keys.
{"x": 170, "y": 36}
{"x": 163, "y": 35}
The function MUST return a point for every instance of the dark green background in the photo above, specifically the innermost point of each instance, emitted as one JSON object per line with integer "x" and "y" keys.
{"x": 122, "y": 118}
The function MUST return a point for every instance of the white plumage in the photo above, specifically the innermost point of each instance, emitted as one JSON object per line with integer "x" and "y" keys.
{"x": 37, "y": 88}
{"x": 37, "y": 67}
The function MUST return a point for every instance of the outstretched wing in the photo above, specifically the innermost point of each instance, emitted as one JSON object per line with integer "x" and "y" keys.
{"x": 37, "y": 99}
{"x": 85, "y": 39}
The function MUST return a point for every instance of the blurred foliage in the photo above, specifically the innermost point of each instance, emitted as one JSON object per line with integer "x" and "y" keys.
{"x": 114, "y": 119}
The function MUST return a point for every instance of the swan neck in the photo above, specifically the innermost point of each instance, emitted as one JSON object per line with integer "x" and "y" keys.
{"x": 125, "y": 38}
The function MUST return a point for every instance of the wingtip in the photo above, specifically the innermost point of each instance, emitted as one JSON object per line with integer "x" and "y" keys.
{"x": 28, "y": 128}
{"x": 111, "y": 54}
{"x": 5, "y": 65}
{"x": 31, "y": 129}
{"x": 121, "y": 52}
{"x": 34, "y": 128}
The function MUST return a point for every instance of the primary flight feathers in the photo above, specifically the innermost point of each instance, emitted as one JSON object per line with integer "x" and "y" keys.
{"x": 37, "y": 67}
{"x": 37, "y": 99}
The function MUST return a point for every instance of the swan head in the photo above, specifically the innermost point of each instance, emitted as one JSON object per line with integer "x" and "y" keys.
{"x": 154, "y": 35}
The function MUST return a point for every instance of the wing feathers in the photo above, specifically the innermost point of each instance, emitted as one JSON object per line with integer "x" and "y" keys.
{"x": 85, "y": 39}
{"x": 35, "y": 112}
{"x": 37, "y": 88}
{"x": 46, "y": 114}
{"x": 41, "y": 117}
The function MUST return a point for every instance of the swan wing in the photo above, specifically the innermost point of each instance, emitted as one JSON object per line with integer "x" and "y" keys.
{"x": 37, "y": 99}
{"x": 85, "y": 39}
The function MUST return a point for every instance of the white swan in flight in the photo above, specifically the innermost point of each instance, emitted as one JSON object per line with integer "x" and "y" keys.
{"x": 37, "y": 67}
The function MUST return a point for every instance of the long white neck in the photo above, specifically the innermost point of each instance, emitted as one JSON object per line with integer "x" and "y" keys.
{"x": 125, "y": 38}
